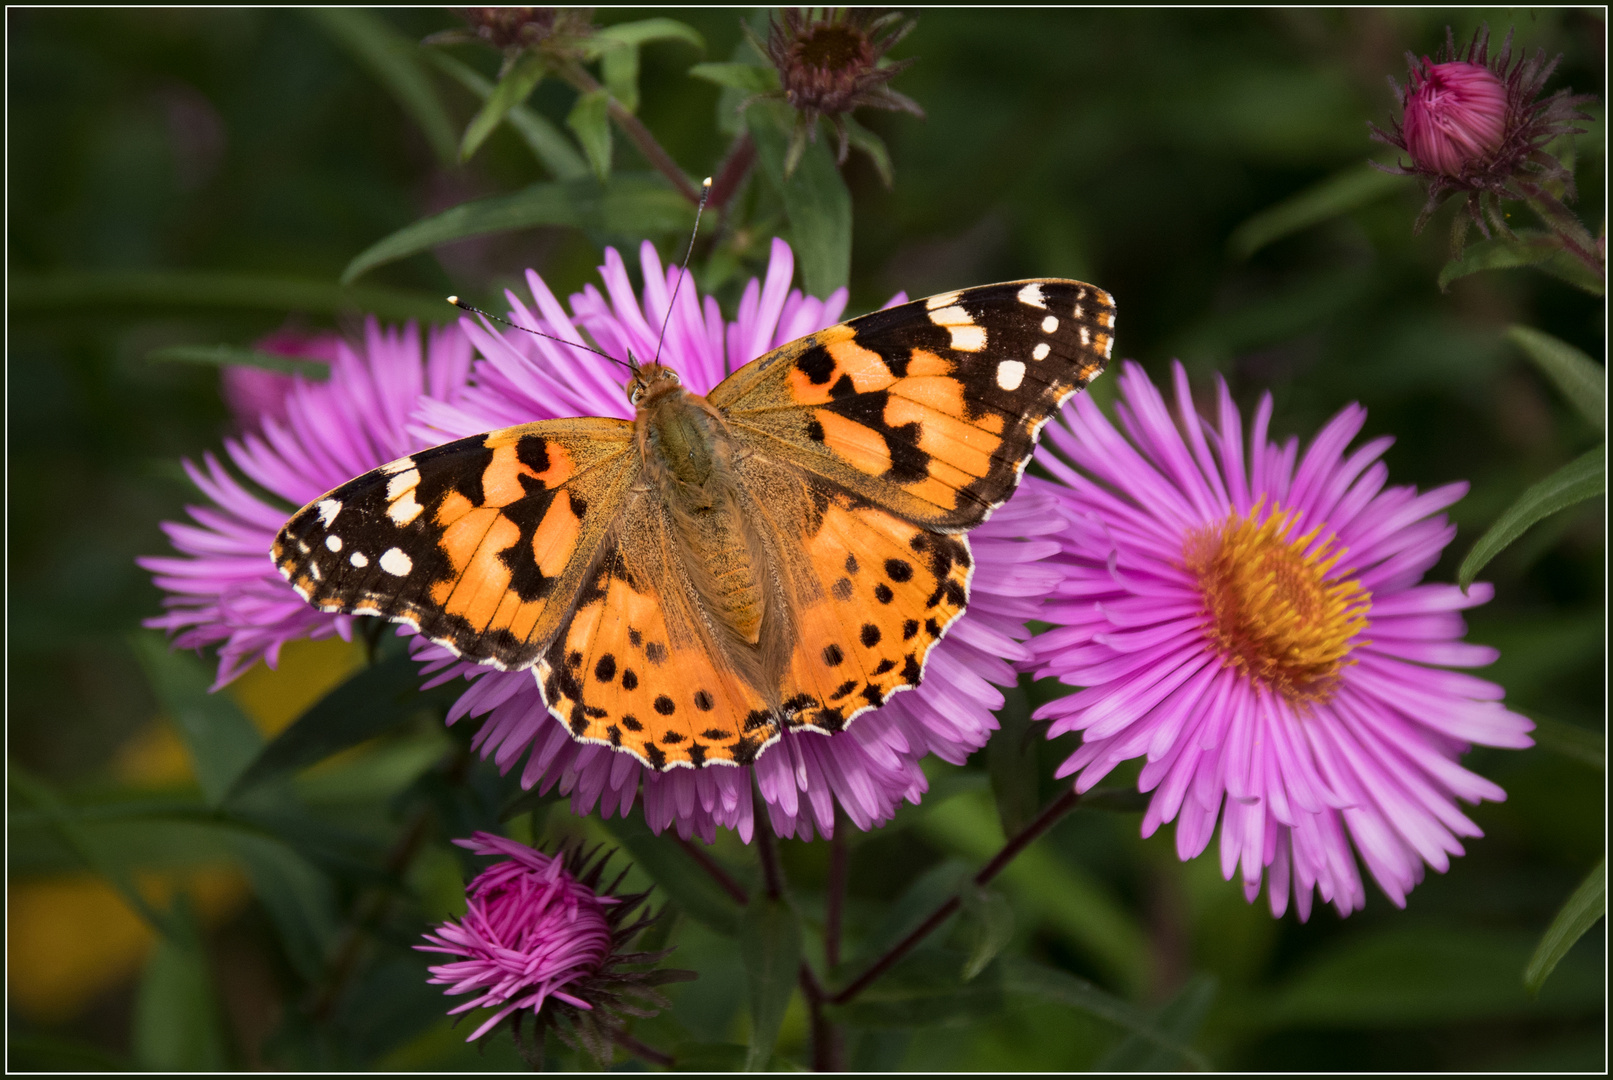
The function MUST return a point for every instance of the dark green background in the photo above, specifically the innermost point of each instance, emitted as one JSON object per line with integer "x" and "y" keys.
{"x": 1119, "y": 147}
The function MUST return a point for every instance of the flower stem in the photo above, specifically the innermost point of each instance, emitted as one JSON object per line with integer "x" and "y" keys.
{"x": 1020, "y": 841}
{"x": 767, "y": 851}
{"x": 731, "y": 173}
{"x": 635, "y": 130}
{"x": 836, "y": 900}
{"x": 638, "y": 1049}
{"x": 828, "y": 1041}
{"x": 718, "y": 874}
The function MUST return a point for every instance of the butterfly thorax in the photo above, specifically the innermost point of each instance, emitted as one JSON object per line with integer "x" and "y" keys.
{"x": 688, "y": 456}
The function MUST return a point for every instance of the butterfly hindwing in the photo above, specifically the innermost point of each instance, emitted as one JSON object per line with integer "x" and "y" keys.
{"x": 481, "y": 543}
{"x": 932, "y": 408}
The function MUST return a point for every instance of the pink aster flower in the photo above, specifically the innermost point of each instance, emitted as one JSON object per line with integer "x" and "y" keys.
{"x": 540, "y": 930}
{"x": 223, "y": 587}
{"x": 254, "y": 393}
{"x": 1253, "y": 622}
{"x": 868, "y": 768}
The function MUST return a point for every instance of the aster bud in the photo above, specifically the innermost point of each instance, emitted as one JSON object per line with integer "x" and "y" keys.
{"x": 540, "y": 934}
{"x": 1456, "y": 116}
{"x": 515, "y": 29}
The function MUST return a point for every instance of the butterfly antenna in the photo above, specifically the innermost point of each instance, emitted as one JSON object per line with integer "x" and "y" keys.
{"x": 458, "y": 303}
{"x": 705, "y": 191}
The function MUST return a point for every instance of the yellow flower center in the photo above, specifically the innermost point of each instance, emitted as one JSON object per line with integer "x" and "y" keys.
{"x": 1271, "y": 608}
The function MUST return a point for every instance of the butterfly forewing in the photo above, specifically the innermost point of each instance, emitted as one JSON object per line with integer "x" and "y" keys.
{"x": 481, "y": 543}
{"x": 930, "y": 409}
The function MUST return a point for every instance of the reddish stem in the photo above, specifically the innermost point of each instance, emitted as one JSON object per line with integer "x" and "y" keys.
{"x": 718, "y": 874}
{"x": 635, "y": 130}
{"x": 731, "y": 173}
{"x": 836, "y": 900}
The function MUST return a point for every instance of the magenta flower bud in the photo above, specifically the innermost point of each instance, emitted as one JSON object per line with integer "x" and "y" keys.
{"x": 255, "y": 394}
{"x": 1456, "y": 116}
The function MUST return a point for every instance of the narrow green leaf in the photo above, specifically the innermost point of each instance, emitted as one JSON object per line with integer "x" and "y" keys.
{"x": 547, "y": 142}
{"x": 749, "y": 78}
{"x": 235, "y": 356}
{"x": 1011, "y": 761}
{"x": 1570, "y": 740}
{"x": 394, "y": 61}
{"x": 925, "y": 990}
{"x": 874, "y": 147}
{"x": 1580, "y": 379}
{"x": 1339, "y": 194}
{"x": 1036, "y": 980}
{"x": 618, "y": 69}
{"x": 993, "y": 919}
{"x": 625, "y": 206}
{"x": 168, "y": 290}
{"x": 299, "y": 898}
{"x": 1527, "y": 248}
{"x": 770, "y": 945}
{"x": 221, "y": 740}
{"x": 372, "y": 702}
{"x": 1587, "y": 904}
{"x": 815, "y": 198}
{"x": 1581, "y": 479}
{"x": 1178, "y": 1020}
{"x": 513, "y": 89}
{"x": 674, "y": 872}
{"x": 178, "y": 1024}
{"x": 644, "y": 31}
{"x": 589, "y": 120}
{"x": 618, "y": 50}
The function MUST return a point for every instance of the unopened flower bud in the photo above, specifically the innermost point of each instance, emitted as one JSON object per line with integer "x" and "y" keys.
{"x": 1456, "y": 116}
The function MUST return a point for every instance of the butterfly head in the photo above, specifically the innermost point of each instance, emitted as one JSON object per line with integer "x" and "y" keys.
{"x": 650, "y": 383}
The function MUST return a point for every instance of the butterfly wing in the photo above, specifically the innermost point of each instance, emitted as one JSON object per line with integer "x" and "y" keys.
{"x": 482, "y": 544}
{"x": 930, "y": 409}
{"x": 636, "y": 667}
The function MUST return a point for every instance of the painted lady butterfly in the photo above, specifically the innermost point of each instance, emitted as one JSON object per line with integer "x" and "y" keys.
{"x": 782, "y": 553}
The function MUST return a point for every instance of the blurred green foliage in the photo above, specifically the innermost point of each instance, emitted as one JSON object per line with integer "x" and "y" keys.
{"x": 184, "y": 178}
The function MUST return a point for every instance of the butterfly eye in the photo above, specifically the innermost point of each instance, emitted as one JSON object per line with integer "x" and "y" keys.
{"x": 674, "y": 376}
{"x": 634, "y": 393}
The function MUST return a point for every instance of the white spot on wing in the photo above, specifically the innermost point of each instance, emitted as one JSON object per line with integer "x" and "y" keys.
{"x": 402, "y": 482}
{"x": 1086, "y": 336}
{"x": 941, "y": 300}
{"x": 404, "y": 510}
{"x": 1010, "y": 373}
{"x": 1041, "y": 351}
{"x": 359, "y": 559}
{"x": 1049, "y": 324}
{"x": 333, "y": 542}
{"x": 968, "y": 338}
{"x": 396, "y": 563}
{"x": 951, "y": 316}
{"x": 393, "y": 467}
{"x": 313, "y": 572}
{"x": 1032, "y": 295}
{"x": 328, "y": 509}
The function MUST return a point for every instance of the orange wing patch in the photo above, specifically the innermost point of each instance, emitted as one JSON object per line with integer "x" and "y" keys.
{"x": 635, "y": 667}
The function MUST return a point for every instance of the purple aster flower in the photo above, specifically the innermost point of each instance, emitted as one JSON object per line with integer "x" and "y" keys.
{"x": 868, "y": 768}
{"x": 540, "y": 930}
{"x": 223, "y": 588}
{"x": 1253, "y": 623}
{"x": 253, "y": 393}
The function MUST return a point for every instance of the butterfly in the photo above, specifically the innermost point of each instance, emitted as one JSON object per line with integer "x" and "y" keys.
{"x": 780, "y": 554}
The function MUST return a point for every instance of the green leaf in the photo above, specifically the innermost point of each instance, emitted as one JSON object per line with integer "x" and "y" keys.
{"x": 872, "y": 145}
{"x": 166, "y": 290}
{"x": 547, "y": 143}
{"x": 993, "y": 918}
{"x": 299, "y": 898}
{"x": 1583, "y": 478}
{"x": 1178, "y": 1020}
{"x": 679, "y": 876}
{"x": 394, "y": 61}
{"x": 1408, "y": 976}
{"x": 1580, "y": 379}
{"x": 513, "y": 89}
{"x": 1570, "y": 740}
{"x": 1527, "y": 248}
{"x": 221, "y": 740}
{"x": 178, "y": 1024}
{"x": 925, "y": 989}
{"x": 626, "y": 206}
{"x": 1339, "y": 194}
{"x": 1587, "y": 904}
{"x": 770, "y": 945}
{"x": 1011, "y": 761}
{"x": 816, "y": 200}
{"x": 372, "y": 702}
{"x": 1050, "y": 984}
{"x": 618, "y": 49}
{"x": 235, "y": 356}
{"x": 749, "y": 78}
{"x": 589, "y": 120}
